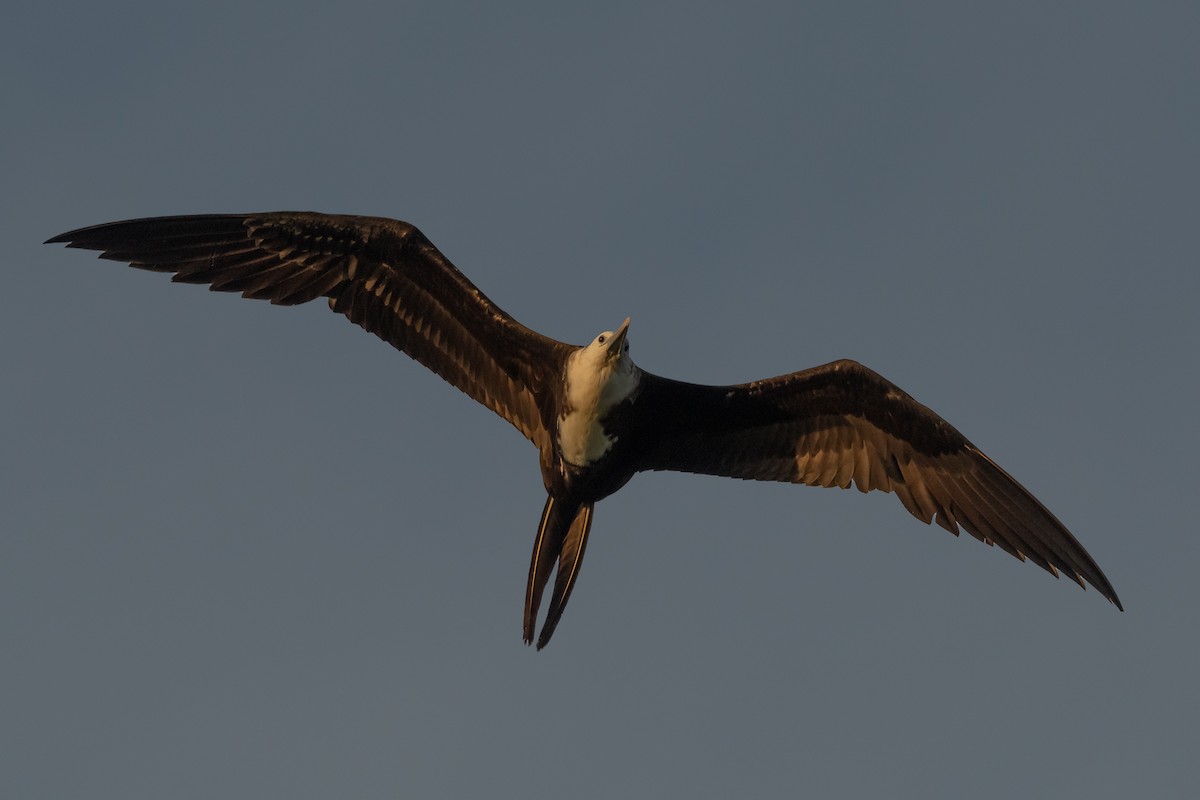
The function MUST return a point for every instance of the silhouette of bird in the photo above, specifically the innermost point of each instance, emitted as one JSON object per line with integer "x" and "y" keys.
{"x": 596, "y": 418}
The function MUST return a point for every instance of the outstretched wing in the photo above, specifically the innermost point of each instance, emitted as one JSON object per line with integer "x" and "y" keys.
{"x": 842, "y": 423}
{"x": 382, "y": 274}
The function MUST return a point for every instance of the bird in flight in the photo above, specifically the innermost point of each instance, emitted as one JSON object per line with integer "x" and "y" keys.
{"x": 596, "y": 418}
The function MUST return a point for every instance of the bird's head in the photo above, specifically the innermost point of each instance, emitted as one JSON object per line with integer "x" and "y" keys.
{"x": 610, "y": 346}
{"x": 606, "y": 356}
{"x": 602, "y": 371}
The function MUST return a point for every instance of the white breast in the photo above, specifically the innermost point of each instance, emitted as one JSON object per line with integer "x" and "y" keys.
{"x": 594, "y": 385}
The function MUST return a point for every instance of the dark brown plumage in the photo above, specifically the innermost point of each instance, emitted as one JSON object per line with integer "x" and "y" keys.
{"x": 834, "y": 425}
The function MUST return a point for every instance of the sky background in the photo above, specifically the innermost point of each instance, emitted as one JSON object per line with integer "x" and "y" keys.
{"x": 252, "y": 552}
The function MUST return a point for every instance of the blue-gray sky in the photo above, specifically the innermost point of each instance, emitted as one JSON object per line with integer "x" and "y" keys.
{"x": 254, "y": 552}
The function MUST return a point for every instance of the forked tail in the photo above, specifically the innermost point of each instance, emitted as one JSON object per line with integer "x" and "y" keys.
{"x": 562, "y": 537}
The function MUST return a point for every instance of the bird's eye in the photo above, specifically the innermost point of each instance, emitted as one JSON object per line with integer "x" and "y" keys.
{"x": 600, "y": 338}
{"x": 627, "y": 347}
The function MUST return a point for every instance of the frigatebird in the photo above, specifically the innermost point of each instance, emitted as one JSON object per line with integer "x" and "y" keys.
{"x": 595, "y": 417}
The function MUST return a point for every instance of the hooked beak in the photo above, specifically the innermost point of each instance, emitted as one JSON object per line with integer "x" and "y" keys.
{"x": 617, "y": 344}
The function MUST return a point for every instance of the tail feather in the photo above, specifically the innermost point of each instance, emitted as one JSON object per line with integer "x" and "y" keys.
{"x": 568, "y": 570}
{"x": 562, "y": 538}
{"x": 546, "y": 547}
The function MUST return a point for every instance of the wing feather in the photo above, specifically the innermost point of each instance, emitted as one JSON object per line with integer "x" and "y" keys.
{"x": 841, "y": 423}
{"x": 382, "y": 274}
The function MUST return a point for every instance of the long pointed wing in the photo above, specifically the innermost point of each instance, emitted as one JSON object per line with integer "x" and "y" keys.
{"x": 842, "y": 423}
{"x": 382, "y": 274}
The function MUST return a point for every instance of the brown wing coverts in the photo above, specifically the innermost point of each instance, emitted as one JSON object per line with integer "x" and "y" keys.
{"x": 842, "y": 424}
{"x": 382, "y": 274}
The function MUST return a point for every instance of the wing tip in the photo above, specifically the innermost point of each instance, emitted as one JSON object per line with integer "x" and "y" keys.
{"x": 1110, "y": 594}
{"x": 1100, "y": 584}
{"x": 73, "y": 239}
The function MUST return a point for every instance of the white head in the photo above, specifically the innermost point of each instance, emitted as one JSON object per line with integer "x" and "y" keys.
{"x": 602, "y": 372}
{"x": 608, "y": 352}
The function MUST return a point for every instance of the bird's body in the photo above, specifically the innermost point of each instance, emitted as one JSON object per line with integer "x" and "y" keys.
{"x": 595, "y": 417}
{"x": 594, "y": 384}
